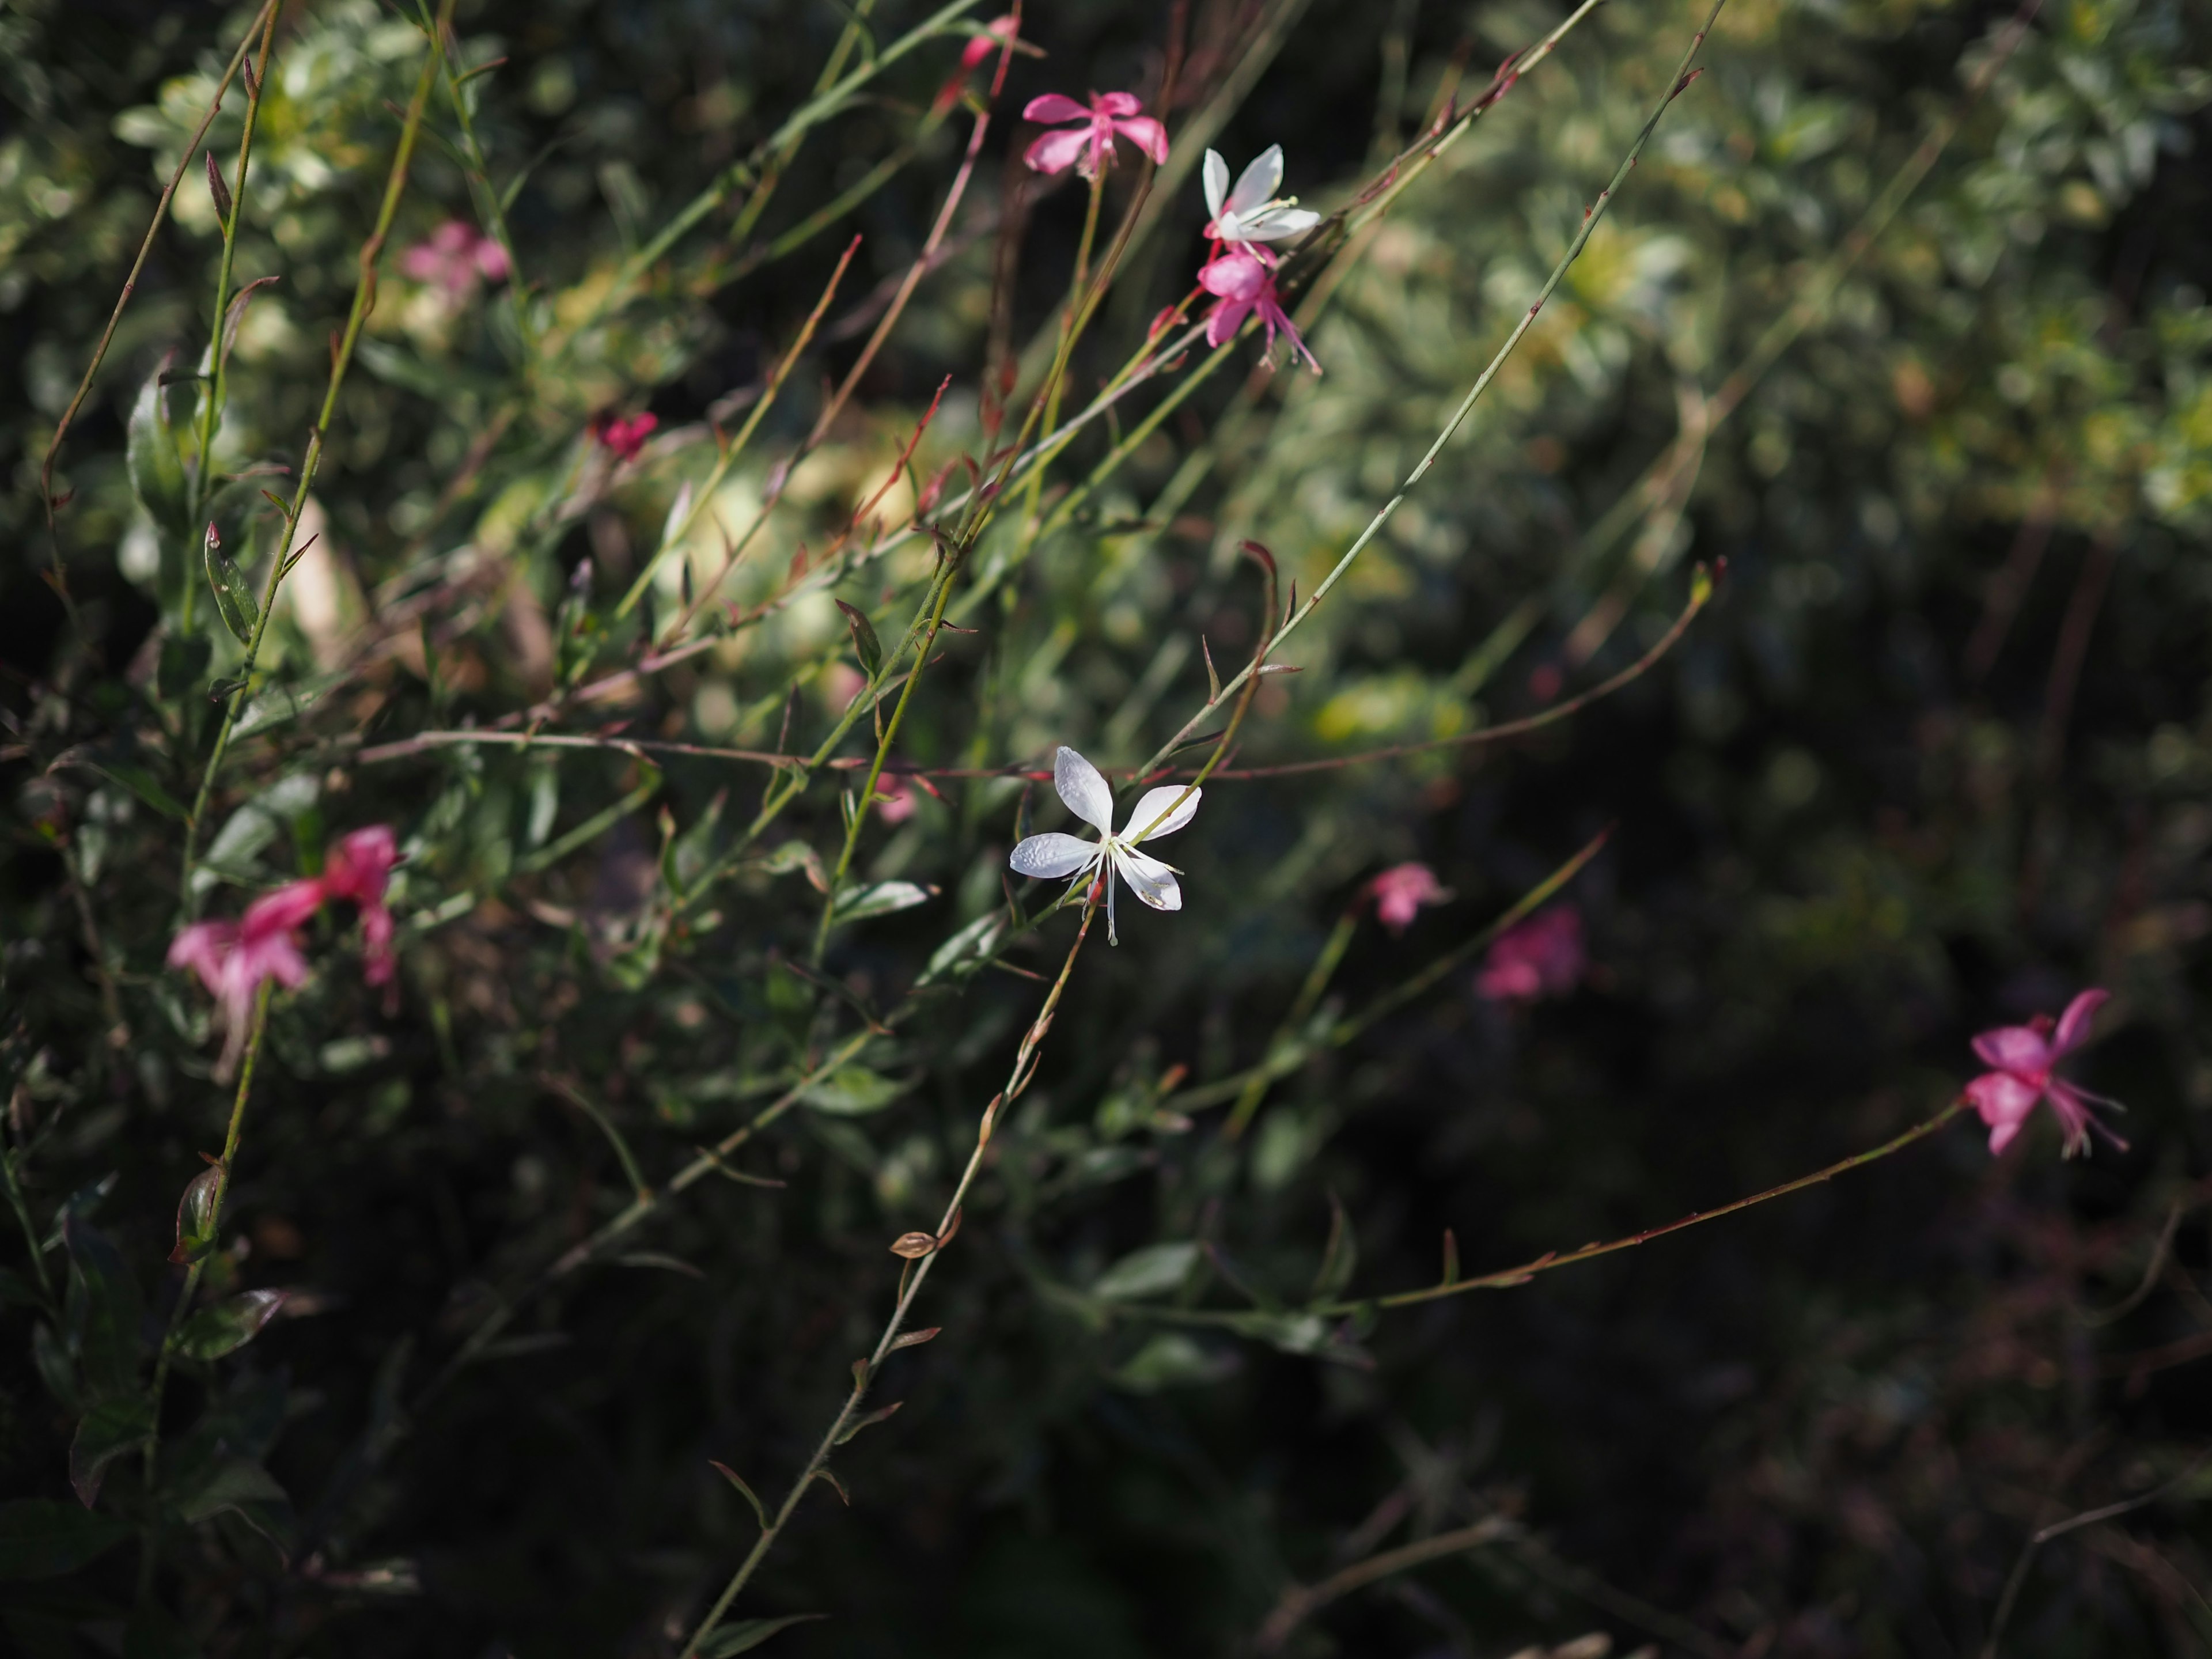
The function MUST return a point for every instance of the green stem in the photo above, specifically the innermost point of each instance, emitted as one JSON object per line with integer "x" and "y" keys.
{"x": 1317, "y": 978}
{"x": 211, "y": 395}
{"x": 364, "y": 300}
{"x": 193, "y": 1275}
{"x": 863, "y": 1371}
{"x": 1591, "y": 218}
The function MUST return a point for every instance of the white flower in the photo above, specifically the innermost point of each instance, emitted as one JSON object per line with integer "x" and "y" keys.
{"x": 1250, "y": 212}
{"x": 1088, "y": 796}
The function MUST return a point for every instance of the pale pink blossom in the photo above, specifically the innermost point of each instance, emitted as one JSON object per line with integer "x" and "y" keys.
{"x": 453, "y": 257}
{"x": 1242, "y": 284}
{"x": 2024, "y": 1058}
{"x": 624, "y": 435}
{"x": 1088, "y": 148}
{"x": 234, "y": 958}
{"x": 1539, "y": 957}
{"x": 358, "y": 869}
{"x": 1251, "y": 214}
{"x": 1399, "y": 892}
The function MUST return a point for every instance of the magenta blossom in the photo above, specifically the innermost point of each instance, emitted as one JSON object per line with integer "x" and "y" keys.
{"x": 232, "y": 958}
{"x": 452, "y": 257}
{"x": 2025, "y": 1057}
{"x": 1399, "y": 892}
{"x": 624, "y": 436}
{"x": 1539, "y": 957}
{"x": 1242, "y": 284}
{"x": 358, "y": 869}
{"x": 999, "y": 31}
{"x": 1088, "y": 149}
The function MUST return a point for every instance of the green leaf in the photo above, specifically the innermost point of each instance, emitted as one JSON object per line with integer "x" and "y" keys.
{"x": 238, "y": 1487}
{"x": 879, "y": 899}
{"x": 42, "y": 1539}
{"x": 144, "y": 784}
{"x": 103, "y": 1311}
{"x": 196, "y": 1217}
{"x": 1152, "y": 1271}
{"x": 229, "y": 1325}
{"x": 748, "y": 1633}
{"x": 760, "y": 1510}
{"x": 108, "y": 1431}
{"x": 1172, "y": 1359}
{"x": 853, "y": 1092}
{"x": 155, "y": 462}
{"x": 865, "y": 645}
{"x": 233, "y": 595}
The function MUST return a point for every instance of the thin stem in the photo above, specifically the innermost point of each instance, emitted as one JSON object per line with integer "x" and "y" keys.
{"x": 212, "y": 389}
{"x": 364, "y": 300}
{"x": 1591, "y": 217}
{"x": 1317, "y": 978}
{"x": 193, "y": 1275}
{"x": 864, "y": 1372}
{"x": 1301, "y": 1602}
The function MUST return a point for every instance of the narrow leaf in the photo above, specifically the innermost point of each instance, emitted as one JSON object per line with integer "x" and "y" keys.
{"x": 196, "y": 1217}
{"x": 866, "y": 646}
{"x": 760, "y": 1510}
{"x": 235, "y": 316}
{"x": 155, "y": 463}
{"x": 1149, "y": 1272}
{"x": 869, "y": 1420}
{"x": 915, "y": 1339}
{"x": 109, "y": 1429}
{"x": 1340, "y": 1256}
{"x": 228, "y": 1325}
{"x": 233, "y": 598}
{"x": 218, "y": 189}
{"x": 914, "y": 1246}
{"x": 835, "y": 1485}
{"x": 1212, "y": 678}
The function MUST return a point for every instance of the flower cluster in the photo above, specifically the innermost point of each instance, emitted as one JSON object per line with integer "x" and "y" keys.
{"x": 1240, "y": 275}
{"x": 1158, "y": 812}
{"x": 235, "y": 958}
{"x": 453, "y": 257}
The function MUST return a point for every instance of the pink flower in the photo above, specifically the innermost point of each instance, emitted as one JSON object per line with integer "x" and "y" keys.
{"x": 1399, "y": 892}
{"x": 625, "y": 436}
{"x": 1090, "y": 148}
{"x": 2024, "y": 1057}
{"x": 452, "y": 257}
{"x": 999, "y": 31}
{"x": 358, "y": 869}
{"x": 1242, "y": 284}
{"x": 233, "y": 958}
{"x": 1539, "y": 957}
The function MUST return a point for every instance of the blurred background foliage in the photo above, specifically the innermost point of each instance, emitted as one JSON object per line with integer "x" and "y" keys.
{"x": 1937, "y": 756}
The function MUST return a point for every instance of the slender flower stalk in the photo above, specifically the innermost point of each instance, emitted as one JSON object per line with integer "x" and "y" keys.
{"x": 364, "y": 300}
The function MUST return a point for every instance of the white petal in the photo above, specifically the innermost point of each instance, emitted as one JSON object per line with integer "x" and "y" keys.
{"x": 1149, "y": 879}
{"x": 1084, "y": 790}
{"x": 1154, "y": 803}
{"x": 1216, "y": 175}
{"x": 1259, "y": 181}
{"x": 1272, "y": 224}
{"x": 1055, "y": 855}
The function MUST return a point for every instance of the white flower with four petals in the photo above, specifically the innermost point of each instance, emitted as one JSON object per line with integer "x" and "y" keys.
{"x": 1158, "y": 812}
{"x": 1250, "y": 213}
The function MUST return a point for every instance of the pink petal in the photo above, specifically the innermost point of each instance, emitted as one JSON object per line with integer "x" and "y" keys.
{"x": 276, "y": 956}
{"x": 377, "y": 960}
{"x": 276, "y": 914}
{"x": 423, "y": 263}
{"x": 1236, "y": 277}
{"x": 2003, "y": 1098}
{"x": 359, "y": 867}
{"x": 2074, "y": 1024}
{"x": 1147, "y": 135}
{"x": 491, "y": 260}
{"x": 1053, "y": 106}
{"x": 2014, "y": 1048}
{"x": 1116, "y": 103}
{"x": 2001, "y": 1136}
{"x": 1056, "y": 152}
{"x": 1225, "y": 318}
{"x": 203, "y": 947}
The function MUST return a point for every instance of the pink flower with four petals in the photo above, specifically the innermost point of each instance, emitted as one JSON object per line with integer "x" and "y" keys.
{"x": 1088, "y": 149}
{"x": 1242, "y": 284}
{"x": 452, "y": 257}
{"x": 2025, "y": 1057}
{"x": 625, "y": 436}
